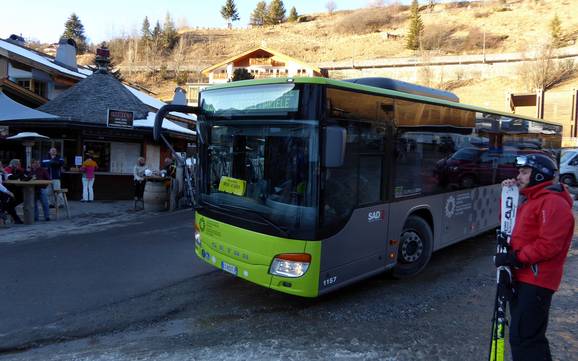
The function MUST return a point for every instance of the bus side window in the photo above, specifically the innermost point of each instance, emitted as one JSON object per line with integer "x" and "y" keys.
{"x": 369, "y": 184}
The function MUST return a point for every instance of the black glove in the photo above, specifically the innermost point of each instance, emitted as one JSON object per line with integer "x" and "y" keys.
{"x": 507, "y": 259}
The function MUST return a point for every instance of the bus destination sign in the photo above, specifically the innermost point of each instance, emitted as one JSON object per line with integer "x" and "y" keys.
{"x": 272, "y": 98}
{"x": 120, "y": 119}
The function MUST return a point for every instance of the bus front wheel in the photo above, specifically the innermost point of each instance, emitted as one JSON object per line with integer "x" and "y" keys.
{"x": 415, "y": 247}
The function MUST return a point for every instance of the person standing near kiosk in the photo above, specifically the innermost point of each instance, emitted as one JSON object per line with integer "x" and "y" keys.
{"x": 54, "y": 163}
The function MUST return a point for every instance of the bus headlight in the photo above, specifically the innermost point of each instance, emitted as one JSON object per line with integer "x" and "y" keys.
{"x": 290, "y": 265}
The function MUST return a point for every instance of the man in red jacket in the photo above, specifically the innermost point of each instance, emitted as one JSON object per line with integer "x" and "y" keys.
{"x": 539, "y": 246}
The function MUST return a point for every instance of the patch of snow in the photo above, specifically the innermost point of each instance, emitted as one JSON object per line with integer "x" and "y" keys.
{"x": 155, "y": 103}
{"x": 38, "y": 58}
{"x": 149, "y": 122}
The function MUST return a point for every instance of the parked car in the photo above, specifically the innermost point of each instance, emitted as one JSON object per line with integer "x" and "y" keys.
{"x": 471, "y": 166}
{"x": 569, "y": 167}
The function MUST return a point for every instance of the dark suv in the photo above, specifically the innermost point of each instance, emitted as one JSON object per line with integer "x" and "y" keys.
{"x": 469, "y": 167}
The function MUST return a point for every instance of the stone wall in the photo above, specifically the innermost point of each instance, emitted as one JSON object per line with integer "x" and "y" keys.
{"x": 440, "y": 68}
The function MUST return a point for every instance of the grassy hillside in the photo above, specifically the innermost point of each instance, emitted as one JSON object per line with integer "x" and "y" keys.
{"x": 452, "y": 28}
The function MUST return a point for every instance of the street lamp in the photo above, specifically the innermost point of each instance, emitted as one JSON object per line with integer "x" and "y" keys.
{"x": 28, "y": 139}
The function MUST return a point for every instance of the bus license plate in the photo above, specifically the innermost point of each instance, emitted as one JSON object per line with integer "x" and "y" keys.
{"x": 229, "y": 268}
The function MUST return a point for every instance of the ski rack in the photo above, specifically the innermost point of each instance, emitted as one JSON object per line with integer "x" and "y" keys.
{"x": 158, "y": 135}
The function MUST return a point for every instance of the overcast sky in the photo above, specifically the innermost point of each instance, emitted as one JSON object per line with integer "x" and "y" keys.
{"x": 44, "y": 20}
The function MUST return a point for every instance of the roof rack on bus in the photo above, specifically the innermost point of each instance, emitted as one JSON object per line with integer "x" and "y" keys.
{"x": 401, "y": 86}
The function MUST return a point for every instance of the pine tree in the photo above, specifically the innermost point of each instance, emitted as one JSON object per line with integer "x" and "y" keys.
{"x": 259, "y": 15}
{"x": 157, "y": 31}
{"x": 229, "y": 12}
{"x": 169, "y": 34}
{"x": 73, "y": 29}
{"x": 293, "y": 15}
{"x": 556, "y": 31}
{"x": 145, "y": 31}
{"x": 276, "y": 12}
{"x": 415, "y": 31}
{"x": 156, "y": 37}
{"x": 242, "y": 74}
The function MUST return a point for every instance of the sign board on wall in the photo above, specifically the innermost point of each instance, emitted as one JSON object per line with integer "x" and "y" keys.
{"x": 120, "y": 119}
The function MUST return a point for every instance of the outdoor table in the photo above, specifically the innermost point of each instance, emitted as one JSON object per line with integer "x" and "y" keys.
{"x": 28, "y": 195}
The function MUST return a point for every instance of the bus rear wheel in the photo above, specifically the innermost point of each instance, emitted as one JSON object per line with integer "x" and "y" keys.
{"x": 415, "y": 247}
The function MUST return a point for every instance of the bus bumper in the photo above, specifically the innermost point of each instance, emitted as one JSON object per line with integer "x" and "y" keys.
{"x": 248, "y": 255}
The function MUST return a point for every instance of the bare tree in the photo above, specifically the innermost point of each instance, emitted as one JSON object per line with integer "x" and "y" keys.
{"x": 375, "y": 3}
{"x": 331, "y": 6}
{"x": 179, "y": 54}
{"x": 132, "y": 52}
{"x": 425, "y": 73}
{"x": 545, "y": 71}
{"x": 182, "y": 23}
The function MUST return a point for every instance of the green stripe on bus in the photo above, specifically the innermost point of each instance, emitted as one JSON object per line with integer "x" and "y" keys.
{"x": 252, "y": 253}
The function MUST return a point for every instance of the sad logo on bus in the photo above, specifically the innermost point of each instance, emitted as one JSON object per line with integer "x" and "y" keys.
{"x": 375, "y": 216}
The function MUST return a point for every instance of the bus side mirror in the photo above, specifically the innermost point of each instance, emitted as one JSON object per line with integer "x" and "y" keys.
{"x": 166, "y": 109}
{"x": 335, "y": 141}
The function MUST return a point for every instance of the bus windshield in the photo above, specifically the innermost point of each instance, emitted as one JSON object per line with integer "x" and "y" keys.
{"x": 264, "y": 171}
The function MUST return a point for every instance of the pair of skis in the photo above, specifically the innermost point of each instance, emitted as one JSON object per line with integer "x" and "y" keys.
{"x": 509, "y": 204}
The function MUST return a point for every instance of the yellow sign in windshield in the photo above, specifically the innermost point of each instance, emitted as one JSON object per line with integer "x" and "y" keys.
{"x": 233, "y": 186}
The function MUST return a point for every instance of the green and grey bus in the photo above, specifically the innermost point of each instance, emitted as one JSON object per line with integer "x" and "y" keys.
{"x": 306, "y": 185}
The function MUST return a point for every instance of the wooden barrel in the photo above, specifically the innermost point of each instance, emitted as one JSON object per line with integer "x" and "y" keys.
{"x": 155, "y": 196}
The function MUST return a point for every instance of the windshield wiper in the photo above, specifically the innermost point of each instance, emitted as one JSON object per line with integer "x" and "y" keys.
{"x": 228, "y": 207}
{"x": 262, "y": 217}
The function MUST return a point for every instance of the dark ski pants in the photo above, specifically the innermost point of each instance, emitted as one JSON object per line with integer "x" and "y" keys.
{"x": 529, "y": 310}
{"x": 139, "y": 187}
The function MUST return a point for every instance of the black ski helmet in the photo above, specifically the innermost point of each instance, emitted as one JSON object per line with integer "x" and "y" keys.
{"x": 543, "y": 167}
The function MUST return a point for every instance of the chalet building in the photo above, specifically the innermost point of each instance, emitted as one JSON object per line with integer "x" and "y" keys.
{"x": 261, "y": 63}
{"x": 33, "y": 78}
{"x": 82, "y": 111}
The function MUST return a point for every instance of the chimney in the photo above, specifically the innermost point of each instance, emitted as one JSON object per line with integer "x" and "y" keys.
{"x": 102, "y": 59}
{"x": 16, "y": 40}
{"x": 66, "y": 54}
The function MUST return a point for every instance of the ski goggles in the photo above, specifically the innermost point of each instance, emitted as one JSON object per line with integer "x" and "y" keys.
{"x": 525, "y": 161}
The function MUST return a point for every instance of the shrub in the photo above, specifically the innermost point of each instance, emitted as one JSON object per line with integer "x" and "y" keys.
{"x": 437, "y": 36}
{"x": 502, "y": 9}
{"x": 458, "y": 4}
{"x": 364, "y": 22}
{"x": 454, "y": 84}
{"x": 475, "y": 41}
{"x": 163, "y": 72}
{"x": 482, "y": 14}
{"x": 182, "y": 78}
